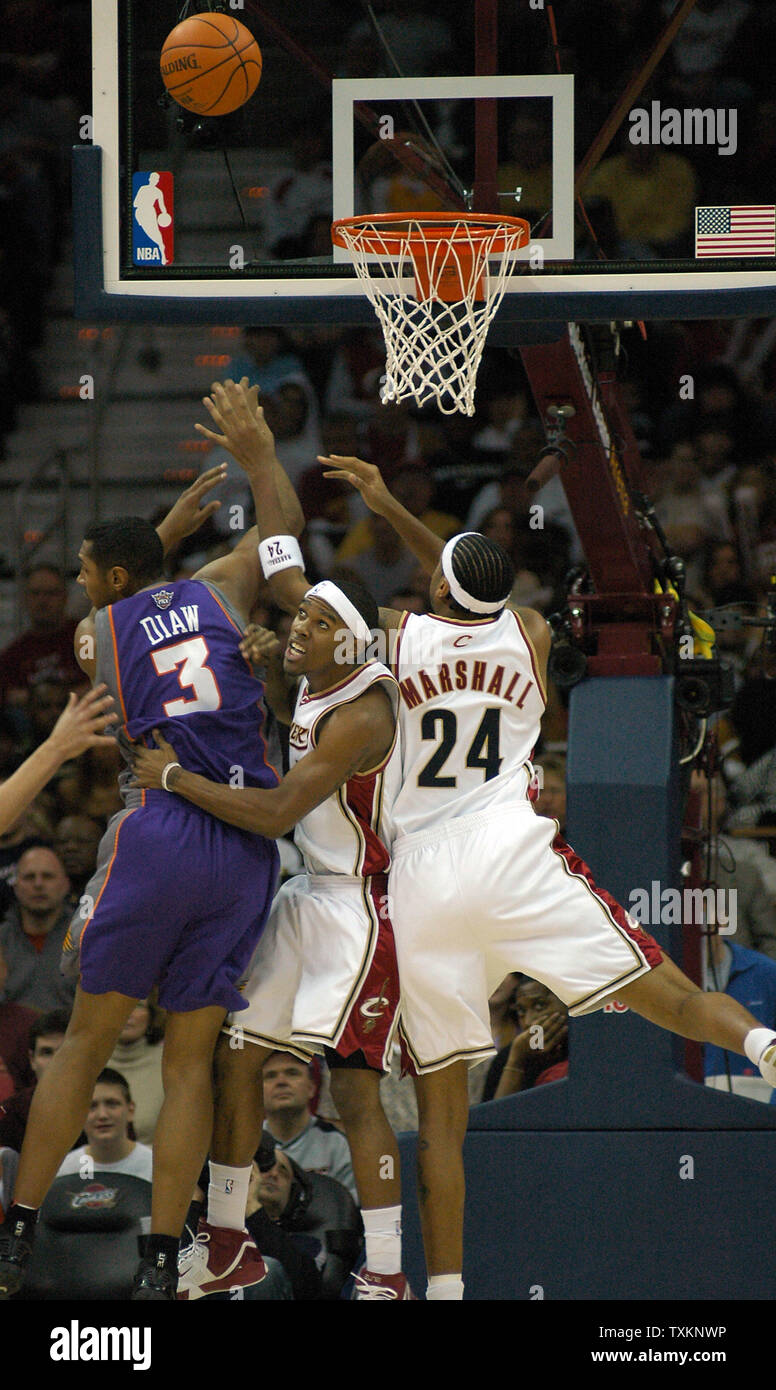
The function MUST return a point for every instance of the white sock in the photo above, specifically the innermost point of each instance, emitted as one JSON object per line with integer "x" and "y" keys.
{"x": 444, "y": 1286}
{"x": 382, "y": 1229}
{"x": 756, "y": 1042}
{"x": 227, "y": 1196}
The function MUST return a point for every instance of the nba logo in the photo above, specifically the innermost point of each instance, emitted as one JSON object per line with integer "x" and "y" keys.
{"x": 152, "y": 221}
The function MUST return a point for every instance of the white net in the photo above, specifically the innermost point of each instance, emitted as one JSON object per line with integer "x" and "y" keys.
{"x": 434, "y": 338}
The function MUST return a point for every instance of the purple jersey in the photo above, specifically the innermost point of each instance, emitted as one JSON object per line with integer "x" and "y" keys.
{"x": 171, "y": 660}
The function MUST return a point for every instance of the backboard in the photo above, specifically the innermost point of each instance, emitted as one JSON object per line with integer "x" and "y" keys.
{"x": 647, "y": 198}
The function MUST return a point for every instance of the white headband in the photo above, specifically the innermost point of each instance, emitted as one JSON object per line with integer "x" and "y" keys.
{"x": 331, "y": 594}
{"x": 474, "y": 605}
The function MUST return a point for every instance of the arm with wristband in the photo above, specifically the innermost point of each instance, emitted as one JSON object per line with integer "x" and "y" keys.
{"x": 245, "y": 433}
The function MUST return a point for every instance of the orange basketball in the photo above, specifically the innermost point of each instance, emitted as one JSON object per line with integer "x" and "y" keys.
{"x": 211, "y": 64}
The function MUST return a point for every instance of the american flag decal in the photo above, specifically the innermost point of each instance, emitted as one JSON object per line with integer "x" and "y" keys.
{"x": 735, "y": 231}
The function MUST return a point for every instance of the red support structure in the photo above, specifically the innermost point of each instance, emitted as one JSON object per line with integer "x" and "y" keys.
{"x": 622, "y": 621}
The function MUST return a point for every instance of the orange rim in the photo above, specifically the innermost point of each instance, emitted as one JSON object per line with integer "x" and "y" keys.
{"x": 417, "y": 230}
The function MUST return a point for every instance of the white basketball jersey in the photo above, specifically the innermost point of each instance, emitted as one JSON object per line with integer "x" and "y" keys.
{"x": 351, "y": 831}
{"x": 469, "y": 716}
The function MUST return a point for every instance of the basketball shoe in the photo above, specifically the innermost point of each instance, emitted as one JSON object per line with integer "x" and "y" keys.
{"x": 218, "y": 1260}
{"x": 767, "y": 1063}
{"x": 16, "y": 1236}
{"x": 379, "y": 1287}
{"x": 153, "y": 1284}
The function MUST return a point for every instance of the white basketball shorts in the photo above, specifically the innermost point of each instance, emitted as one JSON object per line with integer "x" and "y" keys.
{"x": 324, "y": 973}
{"x": 492, "y": 893}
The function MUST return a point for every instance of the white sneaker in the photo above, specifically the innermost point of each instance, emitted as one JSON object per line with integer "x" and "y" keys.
{"x": 217, "y": 1261}
{"x": 767, "y": 1063}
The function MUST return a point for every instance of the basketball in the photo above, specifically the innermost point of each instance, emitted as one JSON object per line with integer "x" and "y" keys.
{"x": 211, "y": 64}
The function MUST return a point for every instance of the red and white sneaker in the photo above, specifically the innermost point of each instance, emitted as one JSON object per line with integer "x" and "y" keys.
{"x": 218, "y": 1260}
{"x": 381, "y": 1286}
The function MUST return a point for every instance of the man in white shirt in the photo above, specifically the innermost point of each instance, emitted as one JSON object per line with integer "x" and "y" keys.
{"x": 109, "y": 1147}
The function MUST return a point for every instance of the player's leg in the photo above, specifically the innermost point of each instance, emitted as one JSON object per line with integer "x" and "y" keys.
{"x": 239, "y": 1112}
{"x": 443, "y": 1112}
{"x": 377, "y": 1169}
{"x": 373, "y": 1147}
{"x": 668, "y": 998}
{"x": 223, "y": 1255}
{"x": 59, "y": 1107}
{"x": 181, "y": 1141}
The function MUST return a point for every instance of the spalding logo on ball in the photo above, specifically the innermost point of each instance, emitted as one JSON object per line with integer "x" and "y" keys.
{"x": 211, "y": 64}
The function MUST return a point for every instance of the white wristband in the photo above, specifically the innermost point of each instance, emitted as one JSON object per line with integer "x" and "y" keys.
{"x": 165, "y": 771}
{"x": 279, "y": 553}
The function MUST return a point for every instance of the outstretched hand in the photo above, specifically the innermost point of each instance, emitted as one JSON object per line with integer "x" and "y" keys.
{"x": 149, "y": 763}
{"x": 363, "y": 476}
{"x": 187, "y": 514}
{"x": 82, "y": 723}
{"x": 234, "y": 409}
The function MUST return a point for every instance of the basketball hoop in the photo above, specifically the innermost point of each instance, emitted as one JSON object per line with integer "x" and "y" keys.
{"x": 461, "y": 264}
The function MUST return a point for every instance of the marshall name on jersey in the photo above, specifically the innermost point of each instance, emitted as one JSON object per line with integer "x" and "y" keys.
{"x": 350, "y": 832}
{"x": 470, "y": 710}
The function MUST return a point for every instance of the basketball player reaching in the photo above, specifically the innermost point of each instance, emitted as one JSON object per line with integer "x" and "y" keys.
{"x": 178, "y": 899}
{"x": 324, "y": 975}
{"x": 479, "y": 884}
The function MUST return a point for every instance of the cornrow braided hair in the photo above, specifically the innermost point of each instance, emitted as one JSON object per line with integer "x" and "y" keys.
{"x": 484, "y": 568}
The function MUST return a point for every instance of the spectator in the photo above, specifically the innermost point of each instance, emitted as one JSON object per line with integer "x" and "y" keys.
{"x": 96, "y": 1207}
{"x": 525, "y": 177}
{"x": 653, "y": 193}
{"x": 742, "y": 865}
{"x": 750, "y": 978}
{"x": 356, "y": 369}
{"x": 551, "y": 800}
{"x": 301, "y": 192}
{"x": 76, "y": 839}
{"x": 33, "y": 931}
{"x": 682, "y": 503}
{"x": 31, "y": 828}
{"x": 292, "y": 412}
{"x": 268, "y": 360}
{"x": 753, "y": 793}
{"x": 47, "y": 699}
{"x": 422, "y": 44}
{"x": 387, "y": 564}
{"x": 45, "y": 649}
{"x": 414, "y": 488}
{"x": 539, "y": 1050}
{"x": 501, "y": 1007}
{"x": 109, "y": 1145}
{"x": 269, "y": 1195}
{"x": 316, "y": 1211}
{"x": 45, "y": 1039}
{"x": 138, "y": 1056}
{"x": 15, "y": 1024}
{"x": 312, "y": 1143}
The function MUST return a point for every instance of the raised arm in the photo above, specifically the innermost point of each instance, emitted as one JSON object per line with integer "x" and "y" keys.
{"x": 79, "y": 726}
{"x": 356, "y": 736}
{"x": 367, "y": 479}
{"x": 234, "y": 409}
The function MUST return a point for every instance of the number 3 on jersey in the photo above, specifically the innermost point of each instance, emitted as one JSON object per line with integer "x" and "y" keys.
{"x": 191, "y": 656}
{"x": 483, "y": 749}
